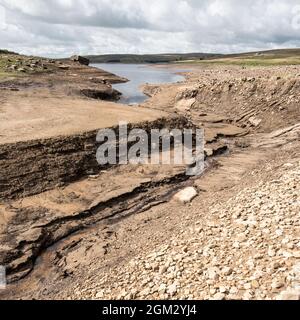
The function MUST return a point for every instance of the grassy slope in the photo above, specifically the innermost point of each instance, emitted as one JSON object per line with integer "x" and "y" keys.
{"x": 264, "y": 58}
{"x": 9, "y": 59}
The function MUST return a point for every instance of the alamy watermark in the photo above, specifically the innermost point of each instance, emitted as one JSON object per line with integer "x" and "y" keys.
{"x": 2, "y": 278}
{"x": 296, "y": 17}
{"x": 157, "y": 147}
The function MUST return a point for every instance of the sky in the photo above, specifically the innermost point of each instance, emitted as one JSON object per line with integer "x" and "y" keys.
{"x": 60, "y": 28}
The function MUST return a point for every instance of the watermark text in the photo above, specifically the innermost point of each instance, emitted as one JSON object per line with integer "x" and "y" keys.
{"x": 157, "y": 147}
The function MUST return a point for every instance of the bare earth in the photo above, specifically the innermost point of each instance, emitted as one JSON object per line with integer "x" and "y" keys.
{"x": 70, "y": 229}
{"x": 65, "y": 108}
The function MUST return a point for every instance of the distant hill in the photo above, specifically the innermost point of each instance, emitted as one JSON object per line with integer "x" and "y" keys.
{"x": 268, "y": 57}
{"x": 267, "y": 53}
{"x": 258, "y": 58}
{"x": 149, "y": 58}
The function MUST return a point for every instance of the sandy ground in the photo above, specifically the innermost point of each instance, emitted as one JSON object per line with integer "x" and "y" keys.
{"x": 23, "y": 119}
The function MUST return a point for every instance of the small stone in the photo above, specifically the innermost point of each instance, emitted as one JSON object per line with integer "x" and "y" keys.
{"x": 219, "y": 296}
{"x": 248, "y": 295}
{"x": 163, "y": 269}
{"x": 275, "y": 265}
{"x": 162, "y": 288}
{"x": 145, "y": 292}
{"x": 293, "y": 295}
{"x": 212, "y": 274}
{"x": 209, "y": 152}
{"x": 186, "y": 195}
{"x": 254, "y": 121}
{"x": 254, "y": 284}
{"x": 247, "y": 286}
{"x": 233, "y": 290}
{"x": 271, "y": 253}
{"x": 236, "y": 245}
{"x": 277, "y": 285}
{"x": 296, "y": 254}
{"x": 13, "y": 67}
{"x": 63, "y": 67}
{"x": 227, "y": 271}
{"x": 172, "y": 290}
{"x": 222, "y": 289}
{"x": 122, "y": 294}
{"x": 100, "y": 294}
{"x": 212, "y": 291}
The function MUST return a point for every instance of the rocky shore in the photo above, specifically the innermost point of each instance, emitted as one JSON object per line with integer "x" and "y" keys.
{"x": 244, "y": 248}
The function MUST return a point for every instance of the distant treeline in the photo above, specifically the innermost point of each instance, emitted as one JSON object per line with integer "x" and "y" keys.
{"x": 149, "y": 58}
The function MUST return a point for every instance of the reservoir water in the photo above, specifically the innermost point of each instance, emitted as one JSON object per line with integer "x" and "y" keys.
{"x": 139, "y": 74}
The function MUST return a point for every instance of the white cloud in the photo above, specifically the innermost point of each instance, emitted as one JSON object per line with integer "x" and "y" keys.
{"x": 63, "y": 27}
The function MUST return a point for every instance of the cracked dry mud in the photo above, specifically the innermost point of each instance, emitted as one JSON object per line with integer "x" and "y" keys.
{"x": 71, "y": 229}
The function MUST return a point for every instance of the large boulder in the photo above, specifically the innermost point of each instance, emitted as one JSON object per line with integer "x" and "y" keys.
{"x": 81, "y": 60}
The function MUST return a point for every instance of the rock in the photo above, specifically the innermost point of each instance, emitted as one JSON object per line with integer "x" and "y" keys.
{"x": 163, "y": 269}
{"x": 227, "y": 271}
{"x": 80, "y": 59}
{"x": 209, "y": 152}
{"x": 144, "y": 293}
{"x": 185, "y": 105}
{"x": 254, "y": 121}
{"x": 64, "y": 67}
{"x": 277, "y": 285}
{"x": 13, "y": 67}
{"x": 172, "y": 290}
{"x": 212, "y": 273}
{"x": 223, "y": 289}
{"x": 291, "y": 294}
{"x": 254, "y": 284}
{"x": 247, "y": 286}
{"x": 186, "y": 195}
{"x": 233, "y": 290}
{"x": 100, "y": 294}
{"x": 162, "y": 288}
{"x": 271, "y": 253}
{"x": 219, "y": 296}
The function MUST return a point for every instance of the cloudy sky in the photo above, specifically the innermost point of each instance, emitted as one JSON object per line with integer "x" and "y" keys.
{"x": 63, "y": 27}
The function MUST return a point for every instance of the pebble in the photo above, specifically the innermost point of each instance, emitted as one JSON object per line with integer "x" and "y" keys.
{"x": 172, "y": 289}
{"x": 186, "y": 195}
{"x": 219, "y": 296}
